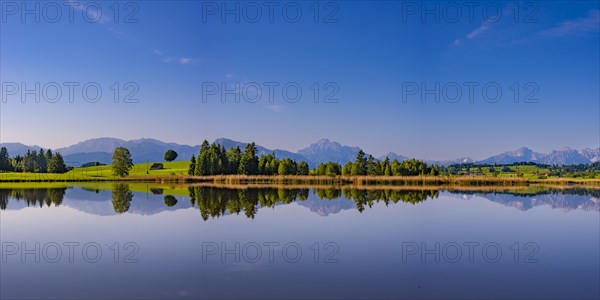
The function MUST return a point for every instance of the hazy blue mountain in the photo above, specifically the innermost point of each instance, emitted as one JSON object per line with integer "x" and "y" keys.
{"x": 103, "y": 144}
{"x": 394, "y": 156}
{"x": 326, "y": 150}
{"x": 142, "y": 150}
{"x": 77, "y": 159}
{"x": 15, "y": 149}
{"x": 461, "y": 160}
{"x": 592, "y": 154}
{"x": 522, "y": 154}
{"x": 151, "y": 150}
{"x": 227, "y": 143}
{"x": 564, "y": 156}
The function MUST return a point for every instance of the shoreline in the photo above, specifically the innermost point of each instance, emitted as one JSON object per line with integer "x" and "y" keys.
{"x": 436, "y": 181}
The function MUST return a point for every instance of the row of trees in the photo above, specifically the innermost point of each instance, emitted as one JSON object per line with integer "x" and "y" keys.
{"x": 213, "y": 159}
{"x": 373, "y": 167}
{"x": 33, "y": 161}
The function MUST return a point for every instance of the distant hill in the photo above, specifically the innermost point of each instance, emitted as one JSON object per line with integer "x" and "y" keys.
{"x": 592, "y": 155}
{"x": 324, "y": 150}
{"x": 562, "y": 157}
{"x": 142, "y": 150}
{"x": 227, "y": 143}
{"x": 393, "y": 156}
{"x": 522, "y": 154}
{"x": 565, "y": 156}
{"x": 15, "y": 149}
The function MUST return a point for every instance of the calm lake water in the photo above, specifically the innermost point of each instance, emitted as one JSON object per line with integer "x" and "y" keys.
{"x": 138, "y": 241}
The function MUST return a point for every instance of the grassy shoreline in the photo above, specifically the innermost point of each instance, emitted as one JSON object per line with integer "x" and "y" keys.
{"x": 312, "y": 180}
{"x": 176, "y": 172}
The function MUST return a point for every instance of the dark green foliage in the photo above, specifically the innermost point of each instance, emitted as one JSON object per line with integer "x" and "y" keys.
{"x": 122, "y": 197}
{"x": 215, "y": 202}
{"x": 192, "y": 166}
{"x": 171, "y": 155}
{"x": 303, "y": 168}
{"x": 5, "y": 164}
{"x": 287, "y": 166}
{"x": 57, "y": 164}
{"x": 121, "y": 162}
{"x": 347, "y": 169}
{"x": 249, "y": 161}
{"x": 41, "y": 162}
{"x": 215, "y": 160}
{"x": 170, "y": 200}
{"x": 329, "y": 169}
{"x": 92, "y": 164}
{"x": 33, "y": 162}
{"x": 359, "y": 167}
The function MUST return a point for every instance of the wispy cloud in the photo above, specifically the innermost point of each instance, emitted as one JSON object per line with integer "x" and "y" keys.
{"x": 580, "y": 26}
{"x": 486, "y": 25}
{"x": 274, "y": 108}
{"x": 184, "y": 60}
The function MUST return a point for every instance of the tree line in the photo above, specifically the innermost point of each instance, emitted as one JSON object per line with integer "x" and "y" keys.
{"x": 369, "y": 166}
{"x": 213, "y": 159}
{"x": 33, "y": 161}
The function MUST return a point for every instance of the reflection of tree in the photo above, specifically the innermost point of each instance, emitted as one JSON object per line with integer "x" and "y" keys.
{"x": 369, "y": 197}
{"x": 329, "y": 193}
{"x": 4, "y": 198}
{"x": 122, "y": 197}
{"x": 54, "y": 196}
{"x": 33, "y": 197}
{"x": 214, "y": 202}
{"x": 170, "y": 200}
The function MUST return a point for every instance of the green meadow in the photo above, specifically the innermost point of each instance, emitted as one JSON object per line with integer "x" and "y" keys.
{"x": 99, "y": 173}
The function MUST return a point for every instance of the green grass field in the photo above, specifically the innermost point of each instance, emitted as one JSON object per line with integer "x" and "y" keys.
{"x": 527, "y": 171}
{"x": 100, "y": 173}
{"x": 180, "y": 168}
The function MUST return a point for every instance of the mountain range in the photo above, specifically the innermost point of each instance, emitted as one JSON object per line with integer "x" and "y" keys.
{"x": 151, "y": 150}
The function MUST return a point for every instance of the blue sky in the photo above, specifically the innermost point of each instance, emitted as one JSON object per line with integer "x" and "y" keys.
{"x": 366, "y": 55}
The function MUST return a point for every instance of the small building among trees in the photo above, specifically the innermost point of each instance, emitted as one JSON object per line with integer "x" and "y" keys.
{"x": 156, "y": 166}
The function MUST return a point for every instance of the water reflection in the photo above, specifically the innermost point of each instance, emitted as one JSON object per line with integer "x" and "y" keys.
{"x": 165, "y": 222}
{"x": 214, "y": 202}
{"x": 33, "y": 197}
{"x": 563, "y": 199}
{"x": 122, "y": 197}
